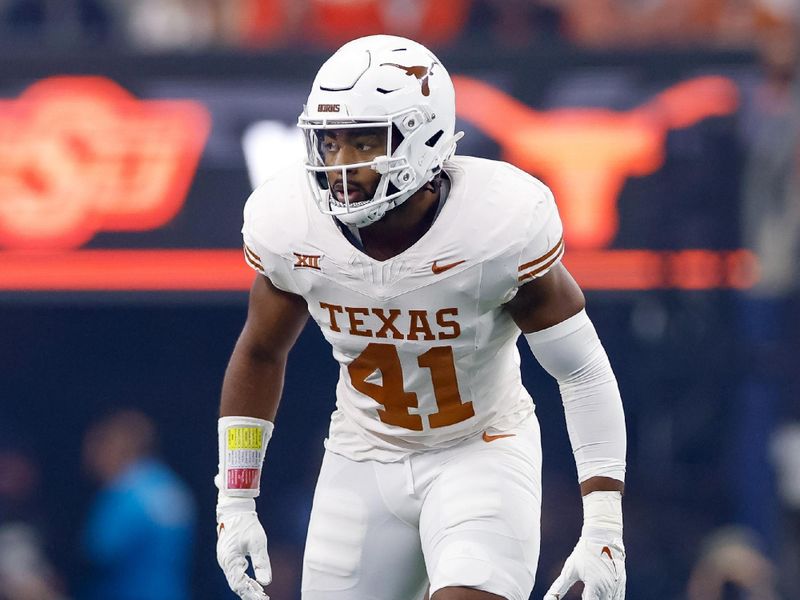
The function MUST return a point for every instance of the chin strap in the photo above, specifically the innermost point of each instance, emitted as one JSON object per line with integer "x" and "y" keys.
{"x": 376, "y": 214}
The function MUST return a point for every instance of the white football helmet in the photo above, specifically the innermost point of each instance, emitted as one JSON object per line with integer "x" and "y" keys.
{"x": 381, "y": 81}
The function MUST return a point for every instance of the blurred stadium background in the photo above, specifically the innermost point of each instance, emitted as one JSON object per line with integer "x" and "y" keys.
{"x": 131, "y": 132}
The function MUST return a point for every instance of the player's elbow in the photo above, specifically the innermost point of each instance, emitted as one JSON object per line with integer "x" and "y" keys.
{"x": 257, "y": 350}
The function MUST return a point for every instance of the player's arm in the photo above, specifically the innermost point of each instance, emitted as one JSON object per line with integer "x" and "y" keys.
{"x": 251, "y": 392}
{"x": 544, "y": 303}
{"x": 550, "y": 311}
{"x": 254, "y": 377}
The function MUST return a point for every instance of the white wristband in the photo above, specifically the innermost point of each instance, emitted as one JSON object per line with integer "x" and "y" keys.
{"x": 602, "y": 511}
{"x": 242, "y": 446}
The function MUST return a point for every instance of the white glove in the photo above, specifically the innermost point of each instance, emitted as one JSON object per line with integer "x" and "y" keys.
{"x": 242, "y": 445}
{"x": 239, "y": 534}
{"x": 598, "y": 559}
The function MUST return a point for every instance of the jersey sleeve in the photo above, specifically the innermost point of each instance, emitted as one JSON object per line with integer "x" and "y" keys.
{"x": 257, "y": 253}
{"x": 544, "y": 244}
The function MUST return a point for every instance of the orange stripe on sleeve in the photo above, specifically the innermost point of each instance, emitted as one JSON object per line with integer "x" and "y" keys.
{"x": 252, "y": 259}
{"x": 543, "y": 267}
{"x": 545, "y": 256}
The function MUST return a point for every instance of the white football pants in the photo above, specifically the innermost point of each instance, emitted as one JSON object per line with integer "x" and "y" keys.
{"x": 467, "y": 515}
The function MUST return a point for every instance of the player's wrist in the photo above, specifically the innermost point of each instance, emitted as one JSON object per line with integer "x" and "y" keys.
{"x": 602, "y": 513}
{"x": 228, "y": 506}
{"x": 242, "y": 447}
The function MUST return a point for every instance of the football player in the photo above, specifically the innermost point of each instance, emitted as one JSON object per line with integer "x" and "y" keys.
{"x": 421, "y": 268}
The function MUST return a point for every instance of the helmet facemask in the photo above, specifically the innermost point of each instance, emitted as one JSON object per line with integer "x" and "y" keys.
{"x": 398, "y": 180}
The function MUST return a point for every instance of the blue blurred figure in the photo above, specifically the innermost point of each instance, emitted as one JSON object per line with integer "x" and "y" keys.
{"x": 138, "y": 538}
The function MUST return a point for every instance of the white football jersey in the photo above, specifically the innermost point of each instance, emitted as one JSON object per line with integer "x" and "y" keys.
{"x": 427, "y": 353}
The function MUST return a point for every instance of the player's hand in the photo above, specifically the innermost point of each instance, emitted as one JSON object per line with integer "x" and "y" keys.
{"x": 239, "y": 535}
{"x": 599, "y": 562}
{"x": 598, "y": 559}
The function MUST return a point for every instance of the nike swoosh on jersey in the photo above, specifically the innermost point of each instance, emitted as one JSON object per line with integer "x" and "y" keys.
{"x": 436, "y": 268}
{"x": 491, "y": 438}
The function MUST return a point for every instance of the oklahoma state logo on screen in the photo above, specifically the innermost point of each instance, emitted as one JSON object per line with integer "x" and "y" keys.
{"x": 79, "y": 155}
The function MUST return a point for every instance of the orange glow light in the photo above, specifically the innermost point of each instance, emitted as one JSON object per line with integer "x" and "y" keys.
{"x": 225, "y": 270}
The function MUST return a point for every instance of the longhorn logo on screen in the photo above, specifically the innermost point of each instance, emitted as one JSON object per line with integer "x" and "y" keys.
{"x": 79, "y": 155}
{"x": 586, "y": 154}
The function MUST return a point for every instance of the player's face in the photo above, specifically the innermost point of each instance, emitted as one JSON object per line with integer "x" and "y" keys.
{"x": 341, "y": 147}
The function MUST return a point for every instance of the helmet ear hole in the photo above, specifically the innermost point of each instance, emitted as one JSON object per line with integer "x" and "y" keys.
{"x": 322, "y": 180}
{"x": 431, "y": 142}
